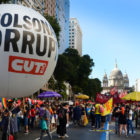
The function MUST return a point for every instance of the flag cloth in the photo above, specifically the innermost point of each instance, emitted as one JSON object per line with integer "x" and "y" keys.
{"x": 85, "y": 120}
{"x": 122, "y": 94}
{"x": 108, "y": 107}
{"x": 113, "y": 91}
{"x": 3, "y": 101}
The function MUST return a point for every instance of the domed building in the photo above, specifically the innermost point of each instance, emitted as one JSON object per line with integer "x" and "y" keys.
{"x": 116, "y": 79}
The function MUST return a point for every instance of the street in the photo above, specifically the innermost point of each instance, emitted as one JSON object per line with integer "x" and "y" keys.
{"x": 82, "y": 133}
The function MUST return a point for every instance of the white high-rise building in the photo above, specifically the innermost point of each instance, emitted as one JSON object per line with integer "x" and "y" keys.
{"x": 137, "y": 86}
{"x": 75, "y": 35}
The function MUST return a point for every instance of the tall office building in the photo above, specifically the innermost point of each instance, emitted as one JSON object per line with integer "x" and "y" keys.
{"x": 38, "y": 5}
{"x": 50, "y": 7}
{"x": 75, "y": 35}
{"x": 62, "y": 15}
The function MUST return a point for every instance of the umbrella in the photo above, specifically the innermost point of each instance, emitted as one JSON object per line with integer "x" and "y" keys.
{"x": 133, "y": 96}
{"x": 48, "y": 94}
{"x": 82, "y": 96}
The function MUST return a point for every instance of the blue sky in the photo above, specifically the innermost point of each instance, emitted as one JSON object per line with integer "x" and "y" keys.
{"x": 111, "y": 30}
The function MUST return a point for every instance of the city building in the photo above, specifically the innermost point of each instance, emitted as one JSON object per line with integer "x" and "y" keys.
{"x": 62, "y": 15}
{"x": 116, "y": 79}
{"x": 38, "y": 5}
{"x": 75, "y": 35}
{"x": 50, "y": 7}
{"x": 137, "y": 86}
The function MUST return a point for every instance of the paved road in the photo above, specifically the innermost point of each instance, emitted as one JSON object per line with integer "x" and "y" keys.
{"x": 75, "y": 133}
{"x": 81, "y": 133}
{"x": 113, "y": 136}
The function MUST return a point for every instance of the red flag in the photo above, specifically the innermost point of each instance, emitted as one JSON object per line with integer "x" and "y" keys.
{"x": 113, "y": 91}
{"x": 125, "y": 93}
{"x": 121, "y": 94}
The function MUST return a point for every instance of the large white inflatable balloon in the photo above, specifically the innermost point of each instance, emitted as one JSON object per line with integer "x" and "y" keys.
{"x": 28, "y": 51}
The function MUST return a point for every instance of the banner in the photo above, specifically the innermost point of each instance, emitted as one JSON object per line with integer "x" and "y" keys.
{"x": 108, "y": 107}
{"x": 102, "y": 98}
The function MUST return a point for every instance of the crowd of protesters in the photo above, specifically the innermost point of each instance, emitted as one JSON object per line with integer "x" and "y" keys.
{"x": 125, "y": 115}
{"x": 46, "y": 116}
{"x": 54, "y": 115}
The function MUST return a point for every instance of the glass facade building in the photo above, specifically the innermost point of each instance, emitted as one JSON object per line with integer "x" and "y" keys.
{"x": 62, "y": 15}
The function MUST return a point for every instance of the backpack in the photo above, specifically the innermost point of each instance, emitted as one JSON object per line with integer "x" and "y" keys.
{"x": 61, "y": 114}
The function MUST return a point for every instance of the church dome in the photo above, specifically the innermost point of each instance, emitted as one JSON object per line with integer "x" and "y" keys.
{"x": 116, "y": 73}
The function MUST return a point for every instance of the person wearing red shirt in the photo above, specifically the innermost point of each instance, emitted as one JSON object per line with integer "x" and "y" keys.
{"x": 33, "y": 113}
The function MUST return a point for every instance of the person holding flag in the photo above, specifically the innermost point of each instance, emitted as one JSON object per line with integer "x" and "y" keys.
{"x": 9, "y": 120}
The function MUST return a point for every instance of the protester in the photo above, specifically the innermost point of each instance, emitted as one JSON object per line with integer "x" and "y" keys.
{"x": 116, "y": 113}
{"x": 77, "y": 114}
{"x": 43, "y": 119}
{"x": 9, "y": 120}
{"x": 97, "y": 115}
{"x": 92, "y": 116}
{"x": 123, "y": 121}
{"x": 63, "y": 120}
{"x": 19, "y": 119}
{"x": 137, "y": 115}
{"x": 48, "y": 117}
{"x": 26, "y": 118}
{"x": 33, "y": 114}
{"x": 129, "y": 121}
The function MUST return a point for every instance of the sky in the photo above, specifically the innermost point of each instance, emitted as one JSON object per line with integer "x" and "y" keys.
{"x": 111, "y": 31}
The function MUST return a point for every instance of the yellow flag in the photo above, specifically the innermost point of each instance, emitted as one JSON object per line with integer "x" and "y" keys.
{"x": 108, "y": 107}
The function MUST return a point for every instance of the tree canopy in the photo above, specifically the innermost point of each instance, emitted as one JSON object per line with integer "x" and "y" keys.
{"x": 75, "y": 69}
{"x": 55, "y": 25}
